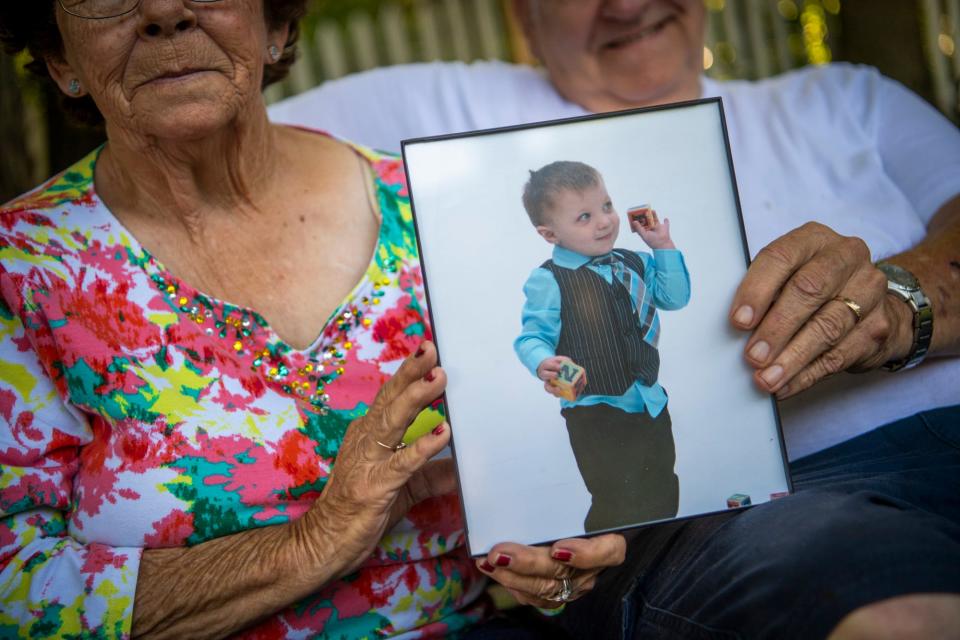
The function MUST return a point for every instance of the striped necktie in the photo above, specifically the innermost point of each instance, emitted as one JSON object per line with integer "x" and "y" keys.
{"x": 626, "y": 277}
{"x": 620, "y": 271}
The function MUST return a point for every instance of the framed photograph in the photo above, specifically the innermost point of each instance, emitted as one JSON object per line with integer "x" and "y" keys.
{"x": 579, "y": 275}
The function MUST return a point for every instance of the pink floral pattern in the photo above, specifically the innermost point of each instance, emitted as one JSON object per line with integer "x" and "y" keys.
{"x": 137, "y": 412}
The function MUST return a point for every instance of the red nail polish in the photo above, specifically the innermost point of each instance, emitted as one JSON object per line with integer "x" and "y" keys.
{"x": 430, "y": 377}
{"x": 503, "y": 560}
{"x": 562, "y": 555}
{"x": 437, "y": 430}
{"x": 420, "y": 351}
{"x": 486, "y": 566}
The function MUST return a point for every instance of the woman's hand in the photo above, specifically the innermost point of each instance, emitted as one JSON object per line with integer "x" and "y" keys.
{"x": 534, "y": 575}
{"x": 372, "y": 486}
{"x": 799, "y": 298}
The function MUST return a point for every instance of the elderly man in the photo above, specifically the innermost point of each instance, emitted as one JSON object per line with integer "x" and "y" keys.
{"x": 838, "y": 167}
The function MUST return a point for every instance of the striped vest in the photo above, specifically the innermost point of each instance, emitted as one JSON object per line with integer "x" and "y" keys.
{"x": 600, "y": 330}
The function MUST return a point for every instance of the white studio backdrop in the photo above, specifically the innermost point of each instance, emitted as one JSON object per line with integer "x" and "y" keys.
{"x": 518, "y": 475}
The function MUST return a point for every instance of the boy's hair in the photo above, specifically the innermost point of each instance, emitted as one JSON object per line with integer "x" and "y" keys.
{"x": 545, "y": 182}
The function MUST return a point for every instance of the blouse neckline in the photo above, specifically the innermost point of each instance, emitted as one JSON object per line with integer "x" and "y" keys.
{"x": 201, "y": 306}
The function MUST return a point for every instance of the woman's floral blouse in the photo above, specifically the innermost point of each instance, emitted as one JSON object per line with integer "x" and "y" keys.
{"x": 137, "y": 412}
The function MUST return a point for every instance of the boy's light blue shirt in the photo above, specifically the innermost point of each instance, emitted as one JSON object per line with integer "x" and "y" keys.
{"x": 667, "y": 285}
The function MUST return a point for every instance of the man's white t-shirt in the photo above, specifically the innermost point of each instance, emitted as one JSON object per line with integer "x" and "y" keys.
{"x": 838, "y": 144}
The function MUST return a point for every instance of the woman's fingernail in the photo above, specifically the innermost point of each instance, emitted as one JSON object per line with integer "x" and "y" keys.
{"x": 744, "y": 315}
{"x": 431, "y": 376}
{"x": 503, "y": 560}
{"x": 772, "y": 375}
{"x": 562, "y": 555}
{"x": 760, "y": 351}
{"x": 437, "y": 430}
{"x": 486, "y": 566}
{"x": 420, "y": 351}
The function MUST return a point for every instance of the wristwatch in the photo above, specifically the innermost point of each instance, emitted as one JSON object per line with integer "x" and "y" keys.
{"x": 905, "y": 286}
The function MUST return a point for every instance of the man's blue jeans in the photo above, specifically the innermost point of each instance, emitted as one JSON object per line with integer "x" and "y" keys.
{"x": 872, "y": 518}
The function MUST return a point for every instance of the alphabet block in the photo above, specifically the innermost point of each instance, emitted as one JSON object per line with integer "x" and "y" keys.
{"x": 570, "y": 381}
{"x": 738, "y": 500}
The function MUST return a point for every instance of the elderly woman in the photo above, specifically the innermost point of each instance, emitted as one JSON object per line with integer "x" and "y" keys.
{"x": 838, "y": 167}
{"x": 214, "y": 341}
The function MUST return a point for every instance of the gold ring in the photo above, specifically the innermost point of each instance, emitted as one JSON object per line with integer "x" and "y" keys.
{"x": 402, "y": 445}
{"x": 853, "y": 306}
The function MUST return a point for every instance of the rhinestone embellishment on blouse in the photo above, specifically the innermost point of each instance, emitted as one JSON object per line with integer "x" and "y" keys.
{"x": 322, "y": 365}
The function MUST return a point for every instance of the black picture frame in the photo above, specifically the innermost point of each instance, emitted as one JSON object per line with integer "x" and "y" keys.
{"x": 462, "y": 261}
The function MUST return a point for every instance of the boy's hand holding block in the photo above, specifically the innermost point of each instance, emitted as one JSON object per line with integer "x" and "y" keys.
{"x": 570, "y": 381}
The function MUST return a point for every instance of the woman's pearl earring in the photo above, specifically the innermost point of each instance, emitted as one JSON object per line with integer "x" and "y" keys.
{"x": 74, "y": 87}
{"x": 274, "y": 52}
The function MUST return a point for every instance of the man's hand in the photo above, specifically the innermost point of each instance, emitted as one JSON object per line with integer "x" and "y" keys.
{"x": 817, "y": 306}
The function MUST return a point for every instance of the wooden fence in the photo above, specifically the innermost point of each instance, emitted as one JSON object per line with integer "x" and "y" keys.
{"x": 941, "y": 37}
{"x": 745, "y": 39}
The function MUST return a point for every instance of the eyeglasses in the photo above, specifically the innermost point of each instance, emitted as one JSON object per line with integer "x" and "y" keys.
{"x": 103, "y": 9}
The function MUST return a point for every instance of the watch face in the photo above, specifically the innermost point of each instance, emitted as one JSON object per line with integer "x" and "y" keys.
{"x": 898, "y": 275}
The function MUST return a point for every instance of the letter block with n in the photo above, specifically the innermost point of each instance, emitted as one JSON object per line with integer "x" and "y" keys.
{"x": 571, "y": 380}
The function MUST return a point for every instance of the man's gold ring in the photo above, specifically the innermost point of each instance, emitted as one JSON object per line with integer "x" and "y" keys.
{"x": 402, "y": 445}
{"x": 566, "y": 591}
{"x": 853, "y": 306}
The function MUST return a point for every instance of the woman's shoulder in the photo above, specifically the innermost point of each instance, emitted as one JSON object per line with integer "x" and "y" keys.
{"x": 397, "y": 232}
{"x": 386, "y": 165}
{"x": 44, "y": 231}
{"x": 44, "y": 212}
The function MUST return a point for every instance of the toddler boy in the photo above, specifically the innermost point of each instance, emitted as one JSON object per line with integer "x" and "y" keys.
{"x": 597, "y": 306}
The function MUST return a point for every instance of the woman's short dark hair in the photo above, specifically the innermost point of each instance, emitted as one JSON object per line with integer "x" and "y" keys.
{"x": 31, "y": 25}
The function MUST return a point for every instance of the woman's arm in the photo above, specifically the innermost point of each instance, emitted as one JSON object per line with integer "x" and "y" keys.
{"x": 211, "y": 589}
{"x": 51, "y": 584}
{"x": 224, "y": 585}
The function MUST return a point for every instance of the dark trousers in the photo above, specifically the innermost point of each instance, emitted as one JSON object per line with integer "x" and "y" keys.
{"x": 626, "y": 460}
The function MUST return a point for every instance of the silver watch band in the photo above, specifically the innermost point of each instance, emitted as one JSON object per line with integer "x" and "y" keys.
{"x": 905, "y": 286}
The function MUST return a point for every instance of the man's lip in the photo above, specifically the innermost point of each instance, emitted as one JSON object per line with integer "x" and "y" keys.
{"x": 638, "y": 34}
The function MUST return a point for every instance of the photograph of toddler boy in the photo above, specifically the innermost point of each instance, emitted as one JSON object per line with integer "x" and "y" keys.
{"x": 596, "y": 306}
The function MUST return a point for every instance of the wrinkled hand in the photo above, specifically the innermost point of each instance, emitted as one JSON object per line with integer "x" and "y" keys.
{"x": 802, "y": 331}
{"x": 534, "y": 574}
{"x": 372, "y": 487}
{"x": 548, "y": 370}
{"x": 655, "y": 233}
